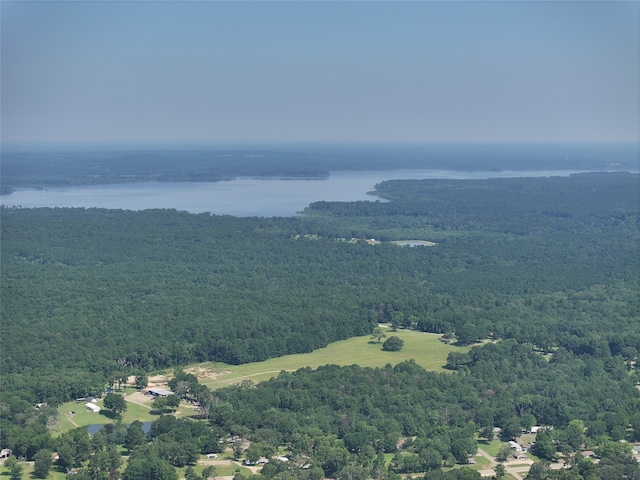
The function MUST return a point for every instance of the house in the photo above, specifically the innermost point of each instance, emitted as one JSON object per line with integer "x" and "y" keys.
{"x": 515, "y": 446}
{"x": 92, "y": 407}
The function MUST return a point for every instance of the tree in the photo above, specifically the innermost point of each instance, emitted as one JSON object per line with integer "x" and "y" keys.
{"x": 115, "y": 403}
{"x": 527, "y": 421}
{"x": 431, "y": 459}
{"x": 467, "y": 334}
{"x": 393, "y": 344}
{"x": 15, "y": 468}
{"x": 190, "y": 474}
{"x": 169, "y": 402}
{"x": 173, "y": 401}
{"x": 114, "y": 460}
{"x": 455, "y": 360}
{"x": 134, "y": 436}
{"x": 544, "y": 446}
{"x": 237, "y": 451}
{"x": 144, "y": 468}
{"x": 98, "y": 465}
{"x": 575, "y": 434}
{"x": 209, "y": 473}
{"x": 504, "y": 454}
{"x": 42, "y": 463}
{"x": 252, "y": 454}
{"x": 378, "y": 334}
{"x": 539, "y": 471}
{"x": 16, "y": 472}
{"x": 397, "y": 319}
{"x": 487, "y": 432}
{"x": 65, "y": 455}
{"x": 142, "y": 380}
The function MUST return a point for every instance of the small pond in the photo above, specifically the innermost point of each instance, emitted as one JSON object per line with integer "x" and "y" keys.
{"x": 414, "y": 243}
{"x": 94, "y": 428}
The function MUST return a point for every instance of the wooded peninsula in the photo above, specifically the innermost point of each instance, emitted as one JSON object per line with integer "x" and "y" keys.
{"x": 539, "y": 275}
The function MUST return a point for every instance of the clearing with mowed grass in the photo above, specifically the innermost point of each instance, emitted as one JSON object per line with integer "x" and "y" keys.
{"x": 425, "y": 348}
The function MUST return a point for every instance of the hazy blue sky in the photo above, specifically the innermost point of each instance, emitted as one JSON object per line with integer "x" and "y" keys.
{"x": 320, "y": 71}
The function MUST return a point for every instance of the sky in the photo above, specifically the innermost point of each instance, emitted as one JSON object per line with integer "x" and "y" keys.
{"x": 211, "y": 72}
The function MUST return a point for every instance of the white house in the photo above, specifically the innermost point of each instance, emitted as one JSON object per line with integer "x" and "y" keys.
{"x": 515, "y": 446}
{"x": 92, "y": 407}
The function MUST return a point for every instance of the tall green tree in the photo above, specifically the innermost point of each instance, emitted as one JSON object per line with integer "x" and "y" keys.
{"x": 135, "y": 435}
{"x": 115, "y": 403}
{"x": 42, "y": 463}
{"x": 393, "y": 344}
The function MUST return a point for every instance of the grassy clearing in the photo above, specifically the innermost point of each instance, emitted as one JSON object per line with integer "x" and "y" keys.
{"x": 492, "y": 448}
{"x": 424, "y": 348}
{"x": 74, "y": 414}
{"x": 82, "y": 417}
{"x": 27, "y": 472}
{"x": 481, "y": 463}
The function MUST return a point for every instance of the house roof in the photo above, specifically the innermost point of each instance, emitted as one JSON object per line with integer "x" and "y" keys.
{"x": 160, "y": 391}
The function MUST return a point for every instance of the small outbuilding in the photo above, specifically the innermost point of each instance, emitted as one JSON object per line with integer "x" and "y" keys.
{"x": 92, "y": 407}
{"x": 515, "y": 446}
{"x": 159, "y": 392}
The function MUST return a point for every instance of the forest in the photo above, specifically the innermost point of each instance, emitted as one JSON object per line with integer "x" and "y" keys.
{"x": 544, "y": 271}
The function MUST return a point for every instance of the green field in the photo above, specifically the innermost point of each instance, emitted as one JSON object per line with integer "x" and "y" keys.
{"x": 74, "y": 414}
{"x": 493, "y": 447}
{"x": 82, "y": 417}
{"x": 424, "y": 348}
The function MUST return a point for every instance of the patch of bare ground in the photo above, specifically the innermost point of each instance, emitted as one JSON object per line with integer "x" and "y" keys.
{"x": 138, "y": 398}
{"x": 156, "y": 380}
{"x": 203, "y": 372}
{"x": 70, "y": 418}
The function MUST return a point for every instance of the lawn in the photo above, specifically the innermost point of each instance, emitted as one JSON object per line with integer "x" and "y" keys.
{"x": 491, "y": 448}
{"x": 424, "y": 348}
{"x": 82, "y": 417}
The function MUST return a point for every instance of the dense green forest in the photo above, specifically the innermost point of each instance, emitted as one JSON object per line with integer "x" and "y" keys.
{"x": 545, "y": 267}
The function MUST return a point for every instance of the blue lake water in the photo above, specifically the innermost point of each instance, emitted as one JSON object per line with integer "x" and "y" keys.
{"x": 242, "y": 197}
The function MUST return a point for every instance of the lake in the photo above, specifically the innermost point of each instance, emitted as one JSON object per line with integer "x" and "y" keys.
{"x": 243, "y": 196}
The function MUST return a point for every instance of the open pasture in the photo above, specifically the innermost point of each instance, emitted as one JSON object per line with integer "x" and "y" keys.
{"x": 425, "y": 348}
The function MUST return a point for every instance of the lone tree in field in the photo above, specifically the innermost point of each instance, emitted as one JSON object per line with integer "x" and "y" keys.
{"x": 393, "y": 344}
{"x": 378, "y": 334}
